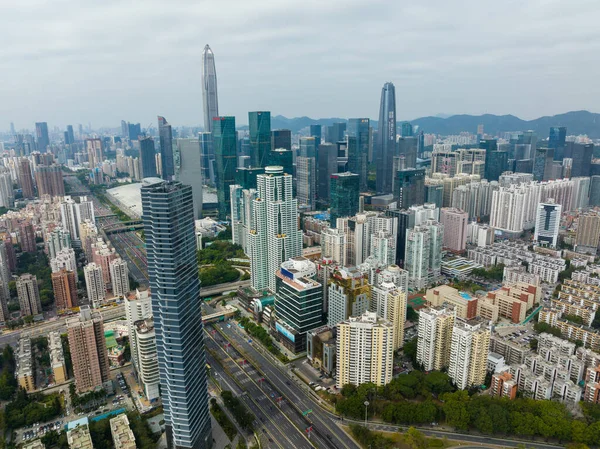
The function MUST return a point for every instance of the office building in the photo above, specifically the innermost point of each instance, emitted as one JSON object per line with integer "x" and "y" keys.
{"x": 423, "y": 254}
{"x": 95, "y": 285}
{"x": 298, "y": 301}
{"x": 280, "y": 157}
{"x": 348, "y": 294}
{"x": 388, "y": 300}
{"x": 122, "y": 434}
{"x": 225, "y": 147}
{"x": 88, "y": 349}
{"x": 469, "y": 353}
{"x": 207, "y": 155}
{"x": 327, "y": 166}
{"x": 359, "y": 140}
{"x": 165, "y": 134}
{"x": 41, "y": 136}
{"x": 70, "y": 134}
{"x": 407, "y": 150}
{"x": 29, "y": 295}
{"x": 64, "y": 285}
{"x": 386, "y": 139}
{"x": 27, "y": 237}
{"x": 495, "y": 161}
{"x": 406, "y": 129}
{"x": 260, "y": 137}
{"x": 316, "y": 131}
{"x": 455, "y": 223}
{"x": 119, "y": 276}
{"x": 547, "y": 223}
{"x": 25, "y": 178}
{"x": 188, "y": 170}
{"x": 281, "y": 138}
{"x": 343, "y": 196}
{"x": 306, "y": 182}
{"x": 557, "y": 140}
{"x": 581, "y": 154}
{"x": 335, "y": 132}
{"x": 542, "y": 164}
{"x": 148, "y": 157}
{"x": 308, "y": 147}
{"x": 49, "y": 180}
{"x": 173, "y": 272}
{"x": 409, "y": 187}
{"x": 210, "y": 100}
{"x": 435, "y": 337}
{"x": 588, "y": 233}
{"x": 595, "y": 191}
{"x": 365, "y": 352}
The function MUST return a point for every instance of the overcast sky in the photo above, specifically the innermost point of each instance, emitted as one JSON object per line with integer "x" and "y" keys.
{"x": 100, "y": 61}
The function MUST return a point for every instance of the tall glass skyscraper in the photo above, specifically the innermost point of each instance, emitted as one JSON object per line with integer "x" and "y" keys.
{"x": 225, "y": 145}
{"x": 166, "y": 149}
{"x": 208, "y": 158}
{"x": 281, "y": 138}
{"x": 168, "y": 217}
{"x": 386, "y": 139}
{"x": 344, "y": 196}
{"x": 260, "y": 137}
{"x": 557, "y": 139}
{"x": 148, "y": 157}
{"x": 210, "y": 99}
{"x": 41, "y": 135}
{"x": 315, "y": 131}
{"x": 358, "y": 148}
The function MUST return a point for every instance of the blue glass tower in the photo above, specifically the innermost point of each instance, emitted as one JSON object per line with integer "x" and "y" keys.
{"x": 260, "y": 137}
{"x": 358, "y": 148}
{"x": 225, "y": 146}
{"x": 386, "y": 139}
{"x": 148, "y": 157}
{"x": 166, "y": 149}
{"x": 168, "y": 216}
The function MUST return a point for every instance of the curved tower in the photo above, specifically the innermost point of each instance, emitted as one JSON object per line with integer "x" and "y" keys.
{"x": 386, "y": 139}
{"x": 209, "y": 88}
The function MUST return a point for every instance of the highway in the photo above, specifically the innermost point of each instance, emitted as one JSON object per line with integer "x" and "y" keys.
{"x": 323, "y": 422}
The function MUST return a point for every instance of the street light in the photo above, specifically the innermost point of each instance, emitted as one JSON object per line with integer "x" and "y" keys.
{"x": 366, "y": 411}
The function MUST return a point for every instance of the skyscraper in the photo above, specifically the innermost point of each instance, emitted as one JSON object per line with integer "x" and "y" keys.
{"x": 70, "y": 134}
{"x": 64, "y": 284}
{"x": 547, "y": 223}
{"x": 435, "y": 337}
{"x": 25, "y": 178}
{"x": 455, "y": 223}
{"x": 406, "y": 129}
{"x": 306, "y": 182}
{"x": 260, "y": 137}
{"x": 315, "y": 131}
{"x": 409, "y": 187}
{"x": 308, "y": 147}
{"x": 358, "y": 148}
{"x": 469, "y": 352}
{"x": 41, "y": 135}
{"x": 281, "y": 138}
{"x": 88, "y": 349}
{"x": 407, "y": 149}
{"x": 343, "y": 196}
{"x": 148, "y": 157}
{"x": 119, "y": 277}
{"x": 423, "y": 258}
{"x": 188, "y": 169}
{"x": 29, "y": 295}
{"x": 210, "y": 99}
{"x": 49, "y": 179}
{"x": 173, "y": 271}
{"x": 94, "y": 151}
{"x": 326, "y": 166}
{"x": 273, "y": 233}
{"x": 225, "y": 146}
{"x": 167, "y": 162}
{"x": 386, "y": 139}
{"x": 557, "y": 139}
{"x": 542, "y": 164}
{"x": 588, "y": 233}
{"x": 27, "y": 237}
{"x": 95, "y": 285}
{"x": 282, "y": 158}
{"x": 495, "y": 161}
{"x": 208, "y": 158}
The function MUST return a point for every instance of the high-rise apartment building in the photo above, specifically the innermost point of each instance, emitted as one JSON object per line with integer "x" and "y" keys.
{"x": 41, "y": 135}
{"x": 383, "y": 247}
{"x": 49, "y": 179}
{"x": 168, "y": 217}
{"x": 343, "y": 197}
{"x": 359, "y": 140}
{"x": 260, "y": 137}
{"x": 365, "y": 352}
{"x": 138, "y": 307}
{"x": 148, "y": 157}
{"x": 119, "y": 277}
{"x": 547, "y": 223}
{"x": 386, "y": 139}
{"x": 306, "y": 182}
{"x": 389, "y": 302}
{"x": 225, "y": 147}
{"x": 409, "y": 187}
{"x": 88, "y": 349}
{"x": 588, "y": 233}
{"x": 273, "y": 233}
{"x": 167, "y": 162}
{"x": 73, "y": 213}
{"x": 423, "y": 257}
{"x": 435, "y": 337}
{"x": 29, "y": 295}
{"x": 25, "y": 178}
{"x": 94, "y": 151}
{"x": 469, "y": 352}
{"x": 64, "y": 284}
{"x": 65, "y": 258}
{"x": 299, "y": 302}
{"x": 455, "y": 222}
{"x": 348, "y": 294}
{"x": 334, "y": 245}
{"x": 56, "y": 241}
{"x": 27, "y": 237}
{"x": 210, "y": 99}
{"x": 147, "y": 357}
{"x": 7, "y": 195}
{"x": 188, "y": 170}
{"x": 95, "y": 285}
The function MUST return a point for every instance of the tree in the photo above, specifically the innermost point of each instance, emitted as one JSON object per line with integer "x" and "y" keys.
{"x": 415, "y": 439}
{"x": 410, "y": 350}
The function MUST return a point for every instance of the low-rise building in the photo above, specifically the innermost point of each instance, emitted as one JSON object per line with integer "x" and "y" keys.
{"x": 503, "y": 385}
{"x": 25, "y": 374}
{"x": 80, "y": 438}
{"x": 464, "y": 304}
{"x": 320, "y": 349}
{"x": 122, "y": 434}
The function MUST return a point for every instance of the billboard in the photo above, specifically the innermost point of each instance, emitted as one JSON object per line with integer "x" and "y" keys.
{"x": 285, "y": 332}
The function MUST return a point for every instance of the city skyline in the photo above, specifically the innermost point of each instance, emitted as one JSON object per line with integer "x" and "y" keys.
{"x": 434, "y": 61}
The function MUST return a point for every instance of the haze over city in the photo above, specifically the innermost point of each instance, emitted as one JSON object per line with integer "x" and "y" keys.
{"x": 98, "y": 62}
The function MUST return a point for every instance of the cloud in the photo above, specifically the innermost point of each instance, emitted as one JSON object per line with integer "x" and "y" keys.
{"x": 65, "y": 61}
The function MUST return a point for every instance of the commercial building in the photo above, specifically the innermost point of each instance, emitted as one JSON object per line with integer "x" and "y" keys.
{"x": 409, "y": 187}
{"x": 189, "y": 170}
{"x": 95, "y": 285}
{"x": 359, "y": 142}
{"x": 148, "y": 157}
{"x": 435, "y": 337}
{"x": 455, "y": 223}
{"x": 306, "y": 182}
{"x": 547, "y": 223}
{"x": 210, "y": 99}
{"x": 88, "y": 349}
{"x": 122, "y": 434}
{"x": 281, "y": 138}
{"x": 348, "y": 294}
{"x": 469, "y": 353}
{"x": 298, "y": 302}
{"x": 343, "y": 196}
{"x": 172, "y": 268}
{"x": 321, "y": 349}
{"x": 327, "y": 165}
{"x": 365, "y": 351}
{"x": 225, "y": 147}
{"x": 64, "y": 285}
{"x": 385, "y": 147}
{"x": 29, "y": 295}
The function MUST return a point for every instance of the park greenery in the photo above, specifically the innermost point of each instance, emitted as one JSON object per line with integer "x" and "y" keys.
{"x": 54, "y": 439}
{"x": 8, "y": 382}
{"x": 239, "y": 411}
{"x": 144, "y": 438}
{"x": 223, "y": 420}
{"x": 27, "y": 409}
{"x": 87, "y": 400}
{"x": 214, "y": 265}
{"x": 220, "y": 273}
{"x": 494, "y": 273}
{"x": 38, "y": 265}
{"x": 412, "y": 438}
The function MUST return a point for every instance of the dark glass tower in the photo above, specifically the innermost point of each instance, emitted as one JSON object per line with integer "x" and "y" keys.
{"x": 283, "y": 158}
{"x": 210, "y": 99}
{"x": 41, "y": 135}
{"x": 260, "y": 137}
{"x": 582, "y": 158}
{"x": 496, "y": 161}
{"x": 409, "y": 187}
{"x": 407, "y": 147}
{"x": 225, "y": 145}
{"x": 208, "y": 158}
{"x": 326, "y": 166}
{"x": 148, "y": 157}
{"x": 557, "y": 139}
{"x": 315, "y": 131}
{"x": 406, "y": 130}
{"x": 386, "y": 139}
{"x": 358, "y": 148}
{"x": 70, "y": 134}
{"x": 542, "y": 163}
{"x": 308, "y": 147}
{"x": 168, "y": 217}
{"x": 281, "y": 138}
{"x": 434, "y": 194}
{"x": 336, "y": 132}
{"x": 344, "y": 196}
{"x": 406, "y": 221}
{"x": 166, "y": 149}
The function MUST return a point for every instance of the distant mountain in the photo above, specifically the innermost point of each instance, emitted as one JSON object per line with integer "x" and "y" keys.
{"x": 577, "y": 122}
